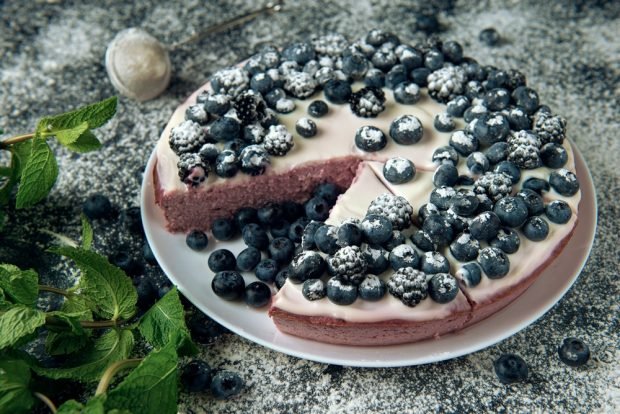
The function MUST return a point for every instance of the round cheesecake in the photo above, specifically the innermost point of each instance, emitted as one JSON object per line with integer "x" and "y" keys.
{"x": 419, "y": 135}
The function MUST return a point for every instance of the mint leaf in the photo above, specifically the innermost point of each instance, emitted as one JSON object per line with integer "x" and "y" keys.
{"x": 93, "y": 406}
{"x": 85, "y": 143}
{"x": 107, "y": 289}
{"x": 20, "y": 153}
{"x": 4, "y": 303}
{"x": 38, "y": 175}
{"x": 60, "y": 340}
{"x": 70, "y": 135}
{"x": 94, "y": 115}
{"x": 152, "y": 387}
{"x": 165, "y": 322}
{"x": 87, "y": 233}
{"x": 92, "y": 361}
{"x": 15, "y": 397}
{"x": 19, "y": 286}
{"x": 18, "y": 322}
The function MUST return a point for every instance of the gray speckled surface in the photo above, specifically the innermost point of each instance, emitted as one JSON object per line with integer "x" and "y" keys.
{"x": 52, "y": 60}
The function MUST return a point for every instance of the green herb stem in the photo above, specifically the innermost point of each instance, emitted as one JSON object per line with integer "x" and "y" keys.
{"x": 14, "y": 140}
{"x": 52, "y": 289}
{"x": 112, "y": 370}
{"x": 46, "y": 401}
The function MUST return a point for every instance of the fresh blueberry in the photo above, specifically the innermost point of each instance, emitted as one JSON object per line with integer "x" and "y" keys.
{"x": 281, "y": 277}
{"x": 507, "y": 240}
{"x": 443, "y": 287}
{"x": 355, "y": 65}
{"x": 491, "y": 128}
{"x": 226, "y": 384}
{"x": 383, "y": 59}
{"x": 419, "y": 76}
{"x": 474, "y": 90}
{"x": 372, "y": 288}
{"x": 398, "y": 170}
{"x": 457, "y": 106}
{"x": 396, "y": 75}
{"x": 370, "y": 139}
{"x": 433, "y": 59}
{"x": 281, "y": 249}
{"x": 374, "y": 77}
{"x": 518, "y": 119}
{"x": 496, "y": 78}
{"x": 125, "y": 261}
{"x": 270, "y": 214}
{"x": 349, "y": 234}
{"x": 232, "y": 147}
{"x": 397, "y": 239}
{"x": 197, "y": 240}
{"x": 227, "y": 162}
{"x": 314, "y": 289}
{"x": 148, "y": 254}
{"x": 443, "y": 122}
{"x": 553, "y": 155}
{"x": 223, "y": 229}
{"x": 439, "y": 230}
{"x": 478, "y": 163}
{"x": 292, "y": 210}
{"x": 377, "y": 229}
{"x": 510, "y": 368}
{"x": 328, "y": 191}
{"x": 493, "y": 262}
{"x": 407, "y": 93}
{"x": 222, "y": 259}
{"x": 574, "y": 352}
{"x": 536, "y": 184}
{"x": 510, "y": 169}
{"x": 376, "y": 258}
{"x": 318, "y": 109}
{"x": 326, "y": 239}
{"x": 409, "y": 56}
{"x": 225, "y": 129}
{"x": 533, "y": 200}
{"x": 423, "y": 241}
{"x": 464, "y": 142}
{"x": 526, "y": 98}
{"x": 452, "y": 51}
{"x": 434, "y": 262}
{"x": 254, "y": 235}
{"x": 442, "y": 196}
{"x": 266, "y": 270}
{"x": 406, "y": 130}
{"x": 196, "y": 376}
{"x": 512, "y": 211}
{"x": 248, "y": 258}
{"x": 97, "y": 206}
{"x": 464, "y": 203}
{"x": 535, "y": 228}
{"x": 300, "y": 52}
{"x": 558, "y": 211}
{"x": 305, "y": 127}
{"x": 245, "y": 215}
{"x": 341, "y": 292}
{"x": 426, "y": 210}
{"x": 485, "y": 226}
{"x": 306, "y": 265}
{"x": 470, "y": 274}
{"x": 464, "y": 248}
{"x": 317, "y": 208}
{"x": 404, "y": 255}
{"x": 261, "y": 83}
{"x": 307, "y": 238}
{"x": 427, "y": 23}
{"x": 337, "y": 91}
{"x": 274, "y": 96}
{"x": 446, "y": 175}
{"x": 217, "y": 104}
{"x": 257, "y": 294}
{"x": 228, "y": 285}
{"x": 465, "y": 180}
{"x": 497, "y": 99}
{"x": 445, "y": 155}
{"x": 280, "y": 228}
{"x": 132, "y": 220}
{"x": 497, "y": 152}
{"x": 296, "y": 229}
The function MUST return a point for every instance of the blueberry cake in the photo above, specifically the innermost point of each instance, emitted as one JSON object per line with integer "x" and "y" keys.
{"x": 388, "y": 192}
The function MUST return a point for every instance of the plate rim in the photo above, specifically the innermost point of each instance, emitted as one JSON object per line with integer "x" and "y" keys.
{"x": 318, "y": 354}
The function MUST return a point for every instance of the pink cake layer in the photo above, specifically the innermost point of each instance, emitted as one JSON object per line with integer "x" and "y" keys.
{"x": 195, "y": 209}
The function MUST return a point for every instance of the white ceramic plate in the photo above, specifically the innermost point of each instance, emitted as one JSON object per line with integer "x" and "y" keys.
{"x": 188, "y": 270}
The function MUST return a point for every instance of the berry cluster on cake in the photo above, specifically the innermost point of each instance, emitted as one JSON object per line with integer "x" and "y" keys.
{"x": 391, "y": 192}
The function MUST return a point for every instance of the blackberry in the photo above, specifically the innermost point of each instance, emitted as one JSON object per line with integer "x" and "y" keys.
{"x": 398, "y": 170}
{"x": 443, "y": 287}
{"x": 574, "y": 352}
{"x": 228, "y": 285}
{"x": 248, "y": 258}
{"x": 524, "y": 149}
{"x": 266, "y": 270}
{"x": 249, "y": 107}
{"x": 457, "y": 106}
{"x": 354, "y": 65}
{"x": 406, "y": 130}
{"x": 510, "y": 368}
{"x": 553, "y": 155}
{"x": 549, "y": 128}
{"x": 490, "y": 127}
{"x": 512, "y": 211}
{"x": 300, "y": 84}
{"x": 510, "y": 169}
{"x": 187, "y": 137}
{"x": 318, "y": 109}
{"x": 314, "y": 289}
{"x": 349, "y": 234}
{"x": 372, "y": 288}
{"x": 254, "y": 159}
{"x": 396, "y": 76}
{"x": 447, "y": 82}
{"x": 225, "y": 129}
{"x": 331, "y": 44}
{"x": 408, "y": 285}
{"x": 217, "y": 104}
{"x": 370, "y": 139}
{"x": 496, "y": 99}
{"x": 444, "y": 122}
{"x": 368, "y": 102}
{"x": 419, "y": 76}
{"x": 337, "y": 91}
{"x": 300, "y": 52}
{"x": 535, "y": 228}
{"x": 326, "y": 239}
{"x": 434, "y": 262}
{"x": 533, "y": 201}
{"x": 261, "y": 83}
{"x": 507, "y": 240}
{"x": 558, "y": 212}
{"x": 305, "y": 127}
{"x": 493, "y": 185}
{"x": 465, "y": 248}
{"x": 376, "y": 258}
{"x": 470, "y": 274}
{"x": 226, "y": 164}
{"x": 396, "y": 208}
{"x": 485, "y": 226}
{"x": 493, "y": 262}
{"x": 255, "y": 236}
{"x": 278, "y": 141}
{"x": 404, "y": 256}
{"x": 477, "y": 163}
{"x": 230, "y": 81}
{"x": 445, "y": 154}
{"x": 348, "y": 262}
{"x": 407, "y": 93}
{"x": 446, "y": 175}
{"x": 197, "y": 113}
{"x": 564, "y": 182}
{"x": 340, "y": 292}
{"x": 192, "y": 171}
{"x": 257, "y": 294}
